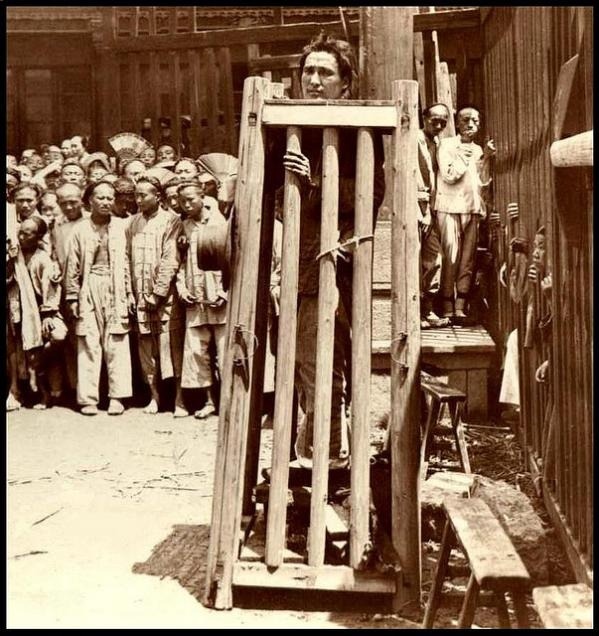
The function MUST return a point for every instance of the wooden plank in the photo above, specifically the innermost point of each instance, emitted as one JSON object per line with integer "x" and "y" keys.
{"x": 135, "y": 92}
{"x": 447, "y": 20}
{"x": 305, "y": 577}
{"x": 405, "y": 370}
{"x": 444, "y": 97}
{"x": 257, "y": 66}
{"x": 226, "y": 81}
{"x": 336, "y": 528}
{"x": 233, "y": 37}
{"x": 285, "y": 373}
{"x": 441, "y": 390}
{"x": 476, "y": 389}
{"x": 196, "y": 101}
{"x": 361, "y": 334}
{"x": 233, "y": 415}
{"x": 175, "y": 103}
{"x": 481, "y": 537}
{"x": 288, "y": 113}
{"x": 328, "y": 299}
{"x": 419, "y": 69}
{"x": 253, "y": 548}
{"x": 211, "y": 79}
{"x": 564, "y": 606}
{"x": 155, "y": 89}
{"x": 573, "y": 151}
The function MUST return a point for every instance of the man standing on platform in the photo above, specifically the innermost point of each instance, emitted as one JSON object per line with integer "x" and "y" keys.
{"x": 459, "y": 206}
{"x": 435, "y": 121}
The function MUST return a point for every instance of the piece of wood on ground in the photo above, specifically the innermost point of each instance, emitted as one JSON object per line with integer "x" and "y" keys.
{"x": 564, "y": 605}
{"x": 253, "y": 548}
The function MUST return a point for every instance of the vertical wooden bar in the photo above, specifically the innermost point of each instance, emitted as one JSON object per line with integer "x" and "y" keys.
{"x": 136, "y": 97}
{"x": 328, "y": 298}
{"x": 419, "y": 69}
{"x": 196, "y": 101}
{"x": 361, "y": 354}
{"x": 277, "y": 500}
{"x": 172, "y": 20}
{"x": 211, "y": 79}
{"x": 108, "y": 85}
{"x": 444, "y": 96}
{"x": 226, "y": 79}
{"x": 237, "y": 378}
{"x": 154, "y": 88}
{"x": 405, "y": 348}
{"x": 175, "y": 100}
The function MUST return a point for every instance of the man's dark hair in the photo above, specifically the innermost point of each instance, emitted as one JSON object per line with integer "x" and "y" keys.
{"x": 343, "y": 52}
{"x": 27, "y": 186}
{"x": 72, "y": 162}
{"x": 467, "y": 107}
{"x": 91, "y": 188}
{"x": 427, "y": 110}
{"x": 153, "y": 181}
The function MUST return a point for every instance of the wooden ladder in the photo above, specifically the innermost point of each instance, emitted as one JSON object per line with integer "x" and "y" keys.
{"x": 233, "y": 512}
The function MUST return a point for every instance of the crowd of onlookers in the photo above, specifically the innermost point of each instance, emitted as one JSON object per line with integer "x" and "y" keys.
{"x": 103, "y": 269}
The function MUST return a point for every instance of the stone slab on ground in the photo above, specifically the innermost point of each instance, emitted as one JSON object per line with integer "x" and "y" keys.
{"x": 565, "y": 606}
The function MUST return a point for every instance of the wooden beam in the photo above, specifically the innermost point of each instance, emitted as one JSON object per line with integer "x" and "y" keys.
{"x": 216, "y": 37}
{"x": 288, "y": 113}
{"x": 405, "y": 370}
{"x": 285, "y": 373}
{"x": 274, "y": 62}
{"x": 573, "y": 151}
{"x": 447, "y": 20}
{"x": 305, "y": 577}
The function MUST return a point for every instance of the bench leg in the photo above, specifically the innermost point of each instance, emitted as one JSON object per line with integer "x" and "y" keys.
{"x": 502, "y": 613}
{"x": 434, "y": 599}
{"x": 470, "y": 602}
{"x": 521, "y": 610}
{"x": 460, "y": 439}
{"x": 433, "y": 416}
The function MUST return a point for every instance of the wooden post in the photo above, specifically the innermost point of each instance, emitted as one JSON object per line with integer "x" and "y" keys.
{"x": 405, "y": 348}
{"x": 444, "y": 96}
{"x": 328, "y": 298}
{"x": 238, "y": 367}
{"x": 108, "y": 81}
{"x": 573, "y": 151}
{"x": 196, "y": 101}
{"x": 277, "y": 500}
{"x": 155, "y": 92}
{"x": 361, "y": 341}
{"x": 226, "y": 73}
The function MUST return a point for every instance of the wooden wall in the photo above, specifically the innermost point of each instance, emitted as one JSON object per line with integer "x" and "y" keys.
{"x": 523, "y": 51}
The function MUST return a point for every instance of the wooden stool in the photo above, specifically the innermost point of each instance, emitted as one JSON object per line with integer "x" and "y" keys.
{"x": 441, "y": 394}
{"x": 494, "y": 563}
{"x": 564, "y": 606}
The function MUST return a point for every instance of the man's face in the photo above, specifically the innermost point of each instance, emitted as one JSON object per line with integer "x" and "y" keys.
{"x": 73, "y": 174}
{"x": 27, "y": 235}
{"x": 468, "y": 123}
{"x": 171, "y": 197}
{"x": 146, "y": 197}
{"x": 320, "y": 77}
{"x": 148, "y": 156}
{"x": 65, "y": 148}
{"x": 96, "y": 172}
{"x": 165, "y": 153}
{"x": 186, "y": 170}
{"x": 124, "y": 205}
{"x": 77, "y": 149}
{"x": 538, "y": 251}
{"x": 134, "y": 170}
{"x": 26, "y": 173}
{"x": 436, "y": 121}
{"x": 55, "y": 155}
{"x": 190, "y": 200}
{"x": 35, "y": 162}
{"x": 49, "y": 206}
{"x": 25, "y": 202}
{"x": 69, "y": 200}
{"x": 101, "y": 202}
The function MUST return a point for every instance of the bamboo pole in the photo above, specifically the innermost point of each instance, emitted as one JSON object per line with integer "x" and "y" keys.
{"x": 277, "y": 500}
{"x": 328, "y": 298}
{"x": 361, "y": 337}
{"x": 235, "y": 398}
{"x": 405, "y": 348}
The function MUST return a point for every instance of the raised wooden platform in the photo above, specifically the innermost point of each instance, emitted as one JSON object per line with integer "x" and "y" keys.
{"x": 461, "y": 355}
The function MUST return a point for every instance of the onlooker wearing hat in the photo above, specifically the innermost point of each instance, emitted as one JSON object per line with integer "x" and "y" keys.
{"x": 72, "y": 172}
{"x": 152, "y": 236}
{"x": 186, "y": 168}
{"x": 124, "y": 199}
{"x": 133, "y": 169}
{"x": 96, "y": 166}
{"x": 98, "y": 292}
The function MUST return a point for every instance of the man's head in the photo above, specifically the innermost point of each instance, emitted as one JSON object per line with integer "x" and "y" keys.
{"x": 328, "y": 69}
{"x": 96, "y": 170}
{"x": 435, "y": 119}
{"x": 79, "y": 146}
{"x": 11, "y": 161}
{"x": 147, "y": 194}
{"x": 99, "y": 197}
{"x": 124, "y": 198}
{"x": 26, "y": 154}
{"x": 468, "y": 122}
{"x": 72, "y": 172}
{"x": 171, "y": 194}
{"x": 54, "y": 154}
{"x": 70, "y": 200}
{"x": 166, "y": 153}
{"x": 191, "y": 195}
{"x": 35, "y": 162}
{"x": 26, "y": 198}
{"x": 49, "y": 207}
{"x": 65, "y": 148}
{"x": 31, "y": 232}
{"x": 186, "y": 168}
{"x": 25, "y": 172}
{"x": 133, "y": 169}
{"x": 148, "y": 156}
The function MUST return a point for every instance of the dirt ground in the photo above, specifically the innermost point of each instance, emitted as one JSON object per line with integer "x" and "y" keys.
{"x": 108, "y": 526}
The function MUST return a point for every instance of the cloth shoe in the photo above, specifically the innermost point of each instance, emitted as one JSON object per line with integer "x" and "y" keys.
{"x": 89, "y": 409}
{"x": 115, "y": 407}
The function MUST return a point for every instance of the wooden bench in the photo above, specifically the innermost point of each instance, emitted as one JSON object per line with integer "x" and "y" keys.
{"x": 564, "y": 606}
{"x": 442, "y": 395}
{"x": 493, "y": 561}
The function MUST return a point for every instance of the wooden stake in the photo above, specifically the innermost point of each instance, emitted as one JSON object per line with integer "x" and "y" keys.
{"x": 275, "y": 529}
{"x": 235, "y": 398}
{"x": 405, "y": 349}
{"x": 328, "y": 298}
{"x": 444, "y": 96}
{"x": 361, "y": 337}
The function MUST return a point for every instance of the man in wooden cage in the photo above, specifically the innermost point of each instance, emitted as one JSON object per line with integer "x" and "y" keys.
{"x": 328, "y": 71}
{"x": 463, "y": 165}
